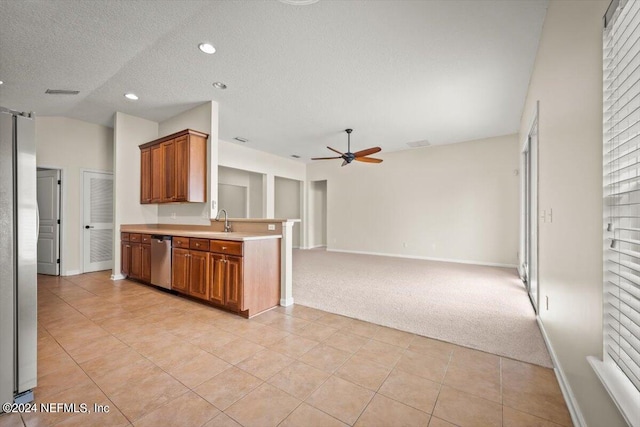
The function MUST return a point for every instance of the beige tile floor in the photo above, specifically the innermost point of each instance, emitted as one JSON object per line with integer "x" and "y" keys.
{"x": 160, "y": 360}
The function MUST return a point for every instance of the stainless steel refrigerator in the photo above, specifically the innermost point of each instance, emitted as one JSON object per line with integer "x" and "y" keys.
{"x": 18, "y": 257}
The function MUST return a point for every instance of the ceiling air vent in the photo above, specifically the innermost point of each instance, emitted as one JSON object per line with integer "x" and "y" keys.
{"x": 61, "y": 92}
{"x": 416, "y": 144}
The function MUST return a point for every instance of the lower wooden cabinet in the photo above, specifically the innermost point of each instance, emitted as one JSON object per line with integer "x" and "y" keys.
{"x": 180, "y": 270}
{"x": 190, "y": 272}
{"x": 199, "y": 274}
{"x": 125, "y": 262}
{"x": 135, "y": 257}
{"x": 242, "y": 277}
{"x": 216, "y": 272}
{"x": 226, "y": 281}
{"x": 140, "y": 267}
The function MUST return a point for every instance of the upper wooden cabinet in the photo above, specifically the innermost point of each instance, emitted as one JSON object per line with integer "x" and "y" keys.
{"x": 145, "y": 175}
{"x": 174, "y": 168}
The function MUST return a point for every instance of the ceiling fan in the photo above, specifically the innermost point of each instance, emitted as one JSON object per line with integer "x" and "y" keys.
{"x": 348, "y": 157}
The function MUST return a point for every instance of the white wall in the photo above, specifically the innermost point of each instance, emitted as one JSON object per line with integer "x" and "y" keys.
{"x": 203, "y": 118}
{"x": 317, "y": 214}
{"x": 72, "y": 145}
{"x": 236, "y": 156}
{"x": 454, "y": 202}
{"x": 253, "y": 184}
{"x": 128, "y": 133}
{"x": 256, "y": 195}
{"x": 287, "y": 202}
{"x": 567, "y": 80}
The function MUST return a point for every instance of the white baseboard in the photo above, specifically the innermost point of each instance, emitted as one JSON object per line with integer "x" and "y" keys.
{"x": 286, "y": 302}
{"x": 71, "y": 273}
{"x": 572, "y": 404}
{"x": 118, "y": 276}
{"x": 314, "y": 247}
{"x": 458, "y": 261}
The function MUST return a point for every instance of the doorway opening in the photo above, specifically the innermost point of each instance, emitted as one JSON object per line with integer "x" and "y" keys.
{"x": 97, "y": 215}
{"x": 318, "y": 214}
{"x": 241, "y": 193}
{"x": 49, "y": 195}
{"x": 529, "y": 235}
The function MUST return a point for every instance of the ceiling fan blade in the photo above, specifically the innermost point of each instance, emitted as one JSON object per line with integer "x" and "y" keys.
{"x": 366, "y": 152}
{"x": 368, "y": 160}
{"x": 325, "y": 158}
{"x": 335, "y": 151}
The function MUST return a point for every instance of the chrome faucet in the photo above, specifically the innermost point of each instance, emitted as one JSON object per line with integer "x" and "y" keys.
{"x": 227, "y": 227}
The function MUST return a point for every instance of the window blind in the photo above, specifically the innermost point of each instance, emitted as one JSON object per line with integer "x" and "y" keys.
{"x": 621, "y": 185}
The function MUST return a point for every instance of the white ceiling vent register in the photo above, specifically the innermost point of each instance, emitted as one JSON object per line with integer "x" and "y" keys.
{"x": 61, "y": 92}
{"x": 416, "y": 144}
{"x": 299, "y": 2}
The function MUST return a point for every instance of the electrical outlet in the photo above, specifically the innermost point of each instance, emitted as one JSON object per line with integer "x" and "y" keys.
{"x": 173, "y": 215}
{"x": 404, "y": 244}
{"x": 271, "y": 227}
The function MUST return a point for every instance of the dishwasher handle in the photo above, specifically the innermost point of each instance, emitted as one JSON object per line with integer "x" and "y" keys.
{"x": 160, "y": 237}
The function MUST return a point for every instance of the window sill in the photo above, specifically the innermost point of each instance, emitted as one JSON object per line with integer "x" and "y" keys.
{"x": 621, "y": 390}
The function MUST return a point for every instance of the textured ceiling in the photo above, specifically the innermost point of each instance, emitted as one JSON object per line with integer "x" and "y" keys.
{"x": 394, "y": 71}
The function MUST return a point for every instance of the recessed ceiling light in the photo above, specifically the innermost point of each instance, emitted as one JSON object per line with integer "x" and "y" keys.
{"x": 131, "y": 96}
{"x": 1, "y": 82}
{"x": 219, "y": 85}
{"x": 241, "y": 139}
{"x": 207, "y": 48}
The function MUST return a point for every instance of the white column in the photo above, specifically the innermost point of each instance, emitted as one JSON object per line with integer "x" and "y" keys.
{"x": 286, "y": 264}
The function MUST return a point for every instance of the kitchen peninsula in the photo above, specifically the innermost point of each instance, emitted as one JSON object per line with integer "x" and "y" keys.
{"x": 240, "y": 271}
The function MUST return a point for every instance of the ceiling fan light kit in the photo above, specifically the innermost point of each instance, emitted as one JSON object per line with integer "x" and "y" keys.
{"x": 348, "y": 157}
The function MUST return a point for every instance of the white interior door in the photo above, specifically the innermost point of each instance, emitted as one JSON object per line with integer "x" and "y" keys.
{"x": 48, "y": 190}
{"x": 98, "y": 220}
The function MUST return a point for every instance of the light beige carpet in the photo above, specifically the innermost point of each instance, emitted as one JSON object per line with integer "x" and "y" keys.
{"x": 486, "y": 308}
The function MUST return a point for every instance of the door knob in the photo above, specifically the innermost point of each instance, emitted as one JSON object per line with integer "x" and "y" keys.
{"x": 88, "y": 226}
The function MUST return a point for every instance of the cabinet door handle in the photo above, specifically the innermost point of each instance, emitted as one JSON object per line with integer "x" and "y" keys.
{"x": 197, "y": 244}
{"x": 224, "y": 248}
{"x": 128, "y": 246}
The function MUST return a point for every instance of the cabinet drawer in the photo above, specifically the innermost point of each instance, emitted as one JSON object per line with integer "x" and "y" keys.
{"x": 135, "y": 237}
{"x": 199, "y": 244}
{"x": 124, "y": 237}
{"x": 145, "y": 238}
{"x": 181, "y": 242}
{"x": 226, "y": 247}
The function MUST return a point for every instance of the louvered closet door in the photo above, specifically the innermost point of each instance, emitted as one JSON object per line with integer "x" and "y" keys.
{"x": 98, "y": 221}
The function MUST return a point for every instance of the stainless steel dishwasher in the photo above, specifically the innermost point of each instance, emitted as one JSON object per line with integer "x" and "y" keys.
{"x": 161, "y": 261}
